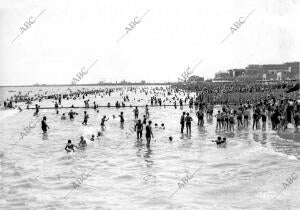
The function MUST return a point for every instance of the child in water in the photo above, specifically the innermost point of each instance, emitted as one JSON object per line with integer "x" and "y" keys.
{"x": 162, "y": 126}
{"x": 145, "y": 120}
{"x": 63, "y": 117}
{"x": 82, "y": 142}
{"x": 70, "y": 147}
{"x": 220, "y": 141}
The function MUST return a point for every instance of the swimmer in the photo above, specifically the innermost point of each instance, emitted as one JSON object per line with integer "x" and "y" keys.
{"x": 182, "y": 122}
{"x": 44, "y": 124}
{"x": 85, "y": 119}
{"x": 103, "y": 120}
{"x": 149, "y": 133}
{"x": 139, "y": 129}
{"x": 70, "y": 147}
{"x": 147, "y": 111}
{"x": 63, "y": 117}
{"x": 224, "y": 140}
{"x": 136, "y": 112}
{"x": 162, "y": 126}
{"x": 121, "y": 118}
{"x": 71, "y": 114}
{"x": 188, "y": 122}
{"x": 93, "y": 137}
{"x": 220, "y": 141}
{"x": 82, "y": 142}
{"x": 36, "y": 109}
{"x": 170, "y": 138}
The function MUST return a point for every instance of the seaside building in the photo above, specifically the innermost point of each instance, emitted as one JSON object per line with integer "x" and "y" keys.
{"x": 285, "y": 71}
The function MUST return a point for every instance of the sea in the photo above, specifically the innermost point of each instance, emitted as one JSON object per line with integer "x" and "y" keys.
{"x": 255, "y": 170}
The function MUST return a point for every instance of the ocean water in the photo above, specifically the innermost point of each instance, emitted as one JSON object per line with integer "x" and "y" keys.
{"x": 250, "y": 172}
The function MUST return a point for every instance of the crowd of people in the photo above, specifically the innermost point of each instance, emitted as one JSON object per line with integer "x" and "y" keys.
{"x": 281, "y": 109}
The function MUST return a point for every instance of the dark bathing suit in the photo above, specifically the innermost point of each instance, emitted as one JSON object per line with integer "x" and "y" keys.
{"x": 44, "y": 126}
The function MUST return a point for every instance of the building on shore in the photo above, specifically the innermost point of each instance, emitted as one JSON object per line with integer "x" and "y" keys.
{"x": 285, "y": 71}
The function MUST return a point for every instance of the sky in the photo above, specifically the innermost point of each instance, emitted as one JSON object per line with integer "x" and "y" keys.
{"x": 169, "y": 36}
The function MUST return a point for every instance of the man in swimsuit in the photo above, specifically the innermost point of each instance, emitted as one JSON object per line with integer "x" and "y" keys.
{"x": 36, "y": 109}
{"x": 188, "y": 122}
{"x": 85, "y": 119}
{"x": 231, "y": 122}
{"x": 264, "y": 120}
{"x": 182, "y": 122}
{"x": 103, "y": 120}
{"x": 218, "y": 116}
{"x": 71, "y": 114}
{"x": 147, "y": 111}
{"x": 139, "y": 129}
{"x": 121, "y": 118}
{"x": 44, "y": 124}
{"x": 149, "y": 133}
{"x": 136, "y": 112}
{"x": 246, "y": 117}
{"x": 239, "y": 118}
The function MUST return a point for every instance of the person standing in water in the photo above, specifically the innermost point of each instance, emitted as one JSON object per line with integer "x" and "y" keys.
{"x": 263, "y": 119}
{"x": 85, "y": 119}
{"x": 136, "y": 112}
{"x": 63, "y": 117}
{"x": 70, "y": 147}
{"x": 188, "y": 120}
{"x": 82, "y": 142}
{"x": 103, "y": 120}
{"x": 44, "y": 125}
{"x": 149, "y": 133}
{"x": 200, "y": 116}
{"x": 218, "y": 116}
{"x": 145, "y": 120}
{"x": 147, "y": 111}
{"x": 139, "y": 129}
{"x": 71, "y": 114}
{"x": 182, "y": 122}
{"x": 121, "y": 118}
{"x": 36, "y": 109}
{"x": 246, "y": 117}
